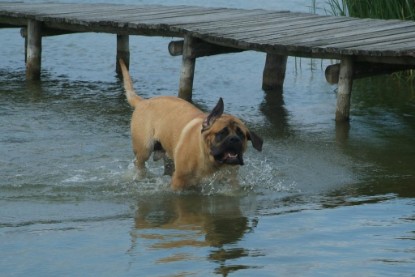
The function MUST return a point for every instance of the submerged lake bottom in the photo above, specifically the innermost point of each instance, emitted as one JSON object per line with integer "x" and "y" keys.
{"x": 322, "y": 199}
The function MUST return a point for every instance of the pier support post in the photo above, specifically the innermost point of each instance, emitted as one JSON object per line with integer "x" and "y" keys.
{"x": 123, "y": 52}
{"x": 274, "y": 72}
{"x": 33, "y": 50}
{"x": 188, "y": 69}
{"x": 344, "y": 89}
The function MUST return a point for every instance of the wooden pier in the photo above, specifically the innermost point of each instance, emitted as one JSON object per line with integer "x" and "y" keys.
{"x": 364, "y": 47}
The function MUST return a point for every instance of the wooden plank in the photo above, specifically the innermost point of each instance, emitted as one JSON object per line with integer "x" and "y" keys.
{"x": 167, "y": 19}
{"x": 304, "y": 42}
{"x": 156, "y": 17}
{"x": 88, "y": 18}
{"x": 93, "y": 14}
{"x": 235, "y": 19}
{"x": 229, "y": 26}
{"x": 144, "y": 30}
{"x": 263, "y": 25}
{"x": 185, "y": 18}
{"x": 254, "y": 42}
{"x": 332, "y": 36}
{"x": 133, "y": 15}
{"x": 12, "y": 22}
{"x": 300, "y": 45}
{"x": 143, "y": 14}
{"x": 380, "y": 37}
{"x": 278, "y": 32}
{"x": 201, "y": 18}
{"x": 313, "y": 31}
{"x": 295, "y": 28}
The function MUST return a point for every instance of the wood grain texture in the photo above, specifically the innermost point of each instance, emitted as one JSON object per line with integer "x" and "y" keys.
{"x": 277, "y": 32}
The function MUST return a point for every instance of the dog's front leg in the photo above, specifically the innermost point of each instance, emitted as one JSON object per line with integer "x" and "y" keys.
{"x": 178, "y": 181}
{"x": 183, "y": 178}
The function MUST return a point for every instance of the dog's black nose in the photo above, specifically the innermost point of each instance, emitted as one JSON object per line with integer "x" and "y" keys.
{"x": 234, "y": 139}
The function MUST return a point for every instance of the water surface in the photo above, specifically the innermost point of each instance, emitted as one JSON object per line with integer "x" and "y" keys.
{"x": 322, "y": 199}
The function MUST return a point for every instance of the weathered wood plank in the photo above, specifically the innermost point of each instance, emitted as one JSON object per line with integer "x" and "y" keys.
{"x": 286, "y": 30}
{"x": 269, "y": 31}
{"x": 234, "y": 19}
{"x": 332, "y": 36}
{"x": 283, "y": 24}
{"x": 223, "y": 28}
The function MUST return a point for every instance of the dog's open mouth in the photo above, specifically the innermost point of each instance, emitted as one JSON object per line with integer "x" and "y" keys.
{"x": 230, "y": 158}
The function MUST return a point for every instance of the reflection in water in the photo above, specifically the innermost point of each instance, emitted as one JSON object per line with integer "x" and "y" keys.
{"x": 342, "y": 132}
{"x": 172, "y": 222}
{"x": 273, "y": 109}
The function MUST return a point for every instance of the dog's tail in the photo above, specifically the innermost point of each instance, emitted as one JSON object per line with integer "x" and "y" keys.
{"x": 132, "y": 96}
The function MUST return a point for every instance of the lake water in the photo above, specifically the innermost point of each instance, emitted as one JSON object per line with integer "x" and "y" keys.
{"x": 322, "y": 199}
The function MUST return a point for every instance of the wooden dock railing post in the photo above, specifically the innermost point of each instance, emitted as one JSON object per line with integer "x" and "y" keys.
{"x": 33, "y": 50}
{"x": 344, "y": 89}
{"x": 188, "y": 69}
{"x": 274, "y": 72}
{"x": 123, "y": 52}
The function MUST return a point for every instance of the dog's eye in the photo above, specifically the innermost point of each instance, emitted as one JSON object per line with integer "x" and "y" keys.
{"x": 240, "y": 133}
{"x": 222, "y": 134}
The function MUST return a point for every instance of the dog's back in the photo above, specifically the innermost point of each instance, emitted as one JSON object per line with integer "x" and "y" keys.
{"x": 152, "y": 118}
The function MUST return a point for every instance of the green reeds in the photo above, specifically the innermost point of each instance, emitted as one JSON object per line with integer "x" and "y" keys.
{"x": 384, "y": 9}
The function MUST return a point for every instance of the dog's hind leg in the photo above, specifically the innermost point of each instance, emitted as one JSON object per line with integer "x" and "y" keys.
{"x": 160, "y": 153}
{"x": 142, "y": 154}
{"x": 168, "y": 166}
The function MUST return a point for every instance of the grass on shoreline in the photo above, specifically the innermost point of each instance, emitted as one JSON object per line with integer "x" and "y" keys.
{"x": 383, "y": 9}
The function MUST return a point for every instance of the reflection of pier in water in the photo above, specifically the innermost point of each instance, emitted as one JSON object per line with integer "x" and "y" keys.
{"x": 365, "y": 47}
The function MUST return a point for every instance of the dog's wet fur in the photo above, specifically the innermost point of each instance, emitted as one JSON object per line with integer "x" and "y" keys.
{"x": 193, "y": 144}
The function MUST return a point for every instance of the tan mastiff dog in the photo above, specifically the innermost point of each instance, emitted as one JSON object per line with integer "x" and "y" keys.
{"x": 199, "y": 144}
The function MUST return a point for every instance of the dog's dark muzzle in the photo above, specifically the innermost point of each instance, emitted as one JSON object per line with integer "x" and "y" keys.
{"x": 229, "y": 152}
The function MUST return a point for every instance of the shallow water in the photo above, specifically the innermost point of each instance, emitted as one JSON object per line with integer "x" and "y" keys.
{"x": 321, "y": 199}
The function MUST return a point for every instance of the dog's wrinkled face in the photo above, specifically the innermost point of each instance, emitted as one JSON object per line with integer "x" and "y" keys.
{"x": 227, "y": 141}
{"x": 226, "y": 137}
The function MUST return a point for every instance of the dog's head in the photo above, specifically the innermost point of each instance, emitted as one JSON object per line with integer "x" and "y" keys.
{"x": 226, "y": 137}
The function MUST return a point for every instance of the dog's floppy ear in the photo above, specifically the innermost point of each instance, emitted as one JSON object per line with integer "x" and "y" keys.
{"x": 214, "y": 114}
{"x": 256, "y": 140}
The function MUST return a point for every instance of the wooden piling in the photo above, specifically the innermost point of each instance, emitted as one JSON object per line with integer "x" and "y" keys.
{"x": 188, "y": 69}
{"x": 123, "y": 52}
{"x": 344, "y": 89}
{"x": 274, "y": 72}
{"x": 33, "y": 50}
